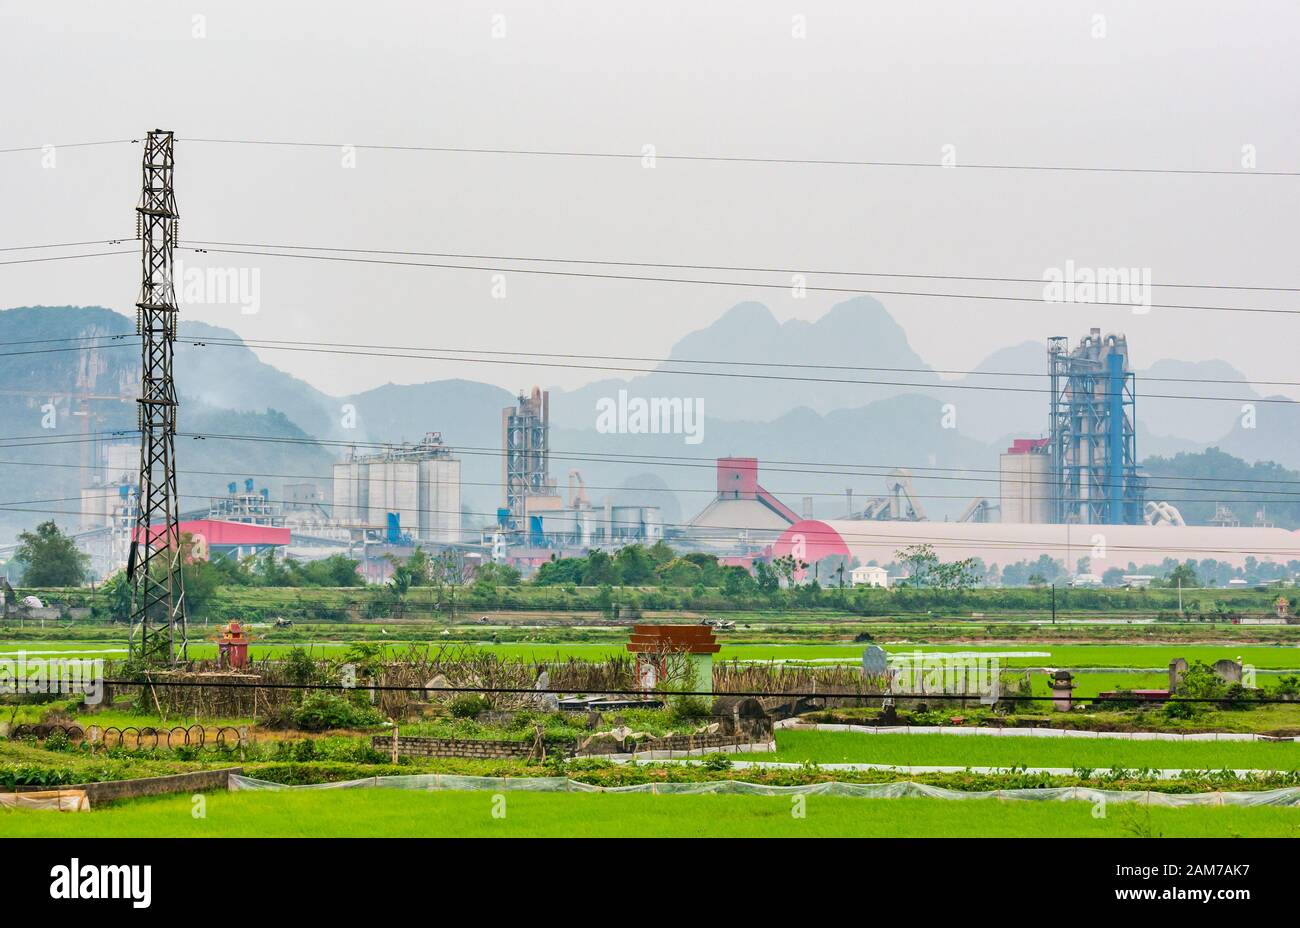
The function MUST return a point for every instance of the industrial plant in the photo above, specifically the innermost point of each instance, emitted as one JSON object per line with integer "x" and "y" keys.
{"x": 1058, "y": 492}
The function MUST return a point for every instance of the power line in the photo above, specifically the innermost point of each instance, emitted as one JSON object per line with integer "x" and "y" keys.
{"x": 736, "y": 159}
{"x": 693, "y": 267}
{"x": 94, "y": 254}
{"x": 427, "y": 355}
{"x": 924, "y": 472}
{"x": 736, "y": 283}
{"x": 4, "y": 151}
{"x": 454, "y": 354}
{"x": 106, "y": 241}
{"x": 868, "y": 538}
{"x": 829, "y": 494}
{"x": 386, "y": 351}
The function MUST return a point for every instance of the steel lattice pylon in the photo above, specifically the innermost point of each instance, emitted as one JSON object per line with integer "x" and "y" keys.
{"x": 158, "y": 632}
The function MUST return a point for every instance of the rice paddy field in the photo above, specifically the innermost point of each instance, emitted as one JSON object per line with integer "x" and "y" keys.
{"x": 401, "y": 813}
{"x": 1013, "y": 654}
{"x": 830, "y": 747}
{"x": 1098, "y": 667}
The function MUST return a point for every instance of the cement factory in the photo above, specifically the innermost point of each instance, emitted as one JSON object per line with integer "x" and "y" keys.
{"x": 1072, "y": 491}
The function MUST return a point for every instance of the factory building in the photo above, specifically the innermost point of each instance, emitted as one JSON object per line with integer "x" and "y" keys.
{"x": 1025, "y": 481}
{"x": 417, "y": 483}
{"x": 1091, "y": 432}
{"x": 742, "y": 511}
{"x": 214, "y": 539}
{"x": 1005, "y": 543}
{"x": 110, "y": 495}
{"x": 1085, "y": 470}
{"x": 526, "y": 457}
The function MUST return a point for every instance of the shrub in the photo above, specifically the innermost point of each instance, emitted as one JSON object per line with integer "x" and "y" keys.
{"x": 716, "y": 762}
{"x": 321, "y": 711}
{"x": 686, "y": 709}
{"x": 468, "y": 706}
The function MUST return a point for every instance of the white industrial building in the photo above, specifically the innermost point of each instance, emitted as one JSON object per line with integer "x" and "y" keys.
{"x": 419, "y": 483}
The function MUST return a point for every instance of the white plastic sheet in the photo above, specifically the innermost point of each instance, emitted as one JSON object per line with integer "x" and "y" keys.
{"x": 1290, "y": 796}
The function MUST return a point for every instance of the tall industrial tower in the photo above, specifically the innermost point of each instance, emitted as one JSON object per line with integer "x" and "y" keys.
{"x": 1092, "y": 436}
{"x": 525, "y": 436}
{"x": 154, "y": 566}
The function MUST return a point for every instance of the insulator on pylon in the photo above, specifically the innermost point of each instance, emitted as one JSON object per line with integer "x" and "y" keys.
{"x": 139, "y": 229}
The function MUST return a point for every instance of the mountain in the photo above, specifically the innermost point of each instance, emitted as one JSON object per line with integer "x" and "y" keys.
{"x": 801, "y": 453}
{"x": 823, "y": 363}
{"x": 1198, "y": 483}
{"x": 1265, "y": 430}
{"x": 233, "y": 377}
{"x": 996, "y": 402}
{"x": 1194, "y": 420}
{"x": 58, "y": 396}
{"x": 858, "y": 431}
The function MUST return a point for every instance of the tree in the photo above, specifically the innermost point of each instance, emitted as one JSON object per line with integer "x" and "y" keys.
{"x": 920, "y": 561}
{"x": 116, "y": 593}
{"x": 634, "y": 565}
{"x": 600, "y": 570}
{"x": 419, "y": 567}
{"x": 402, "y": 579}
{"x": 560, "y": 572}
{"x": 1183, "y": 575}
{"x": 199, "y": 577}
{"x": 679, "y": 572}
{"x": 490, "y": 574}
{"x": 447, "y": 573}
{"x": 766, "y": 577}
{"x": 736, "y": 582}
{"x": 956, "y": 575}
{"x": 786, "y": 567}
{"x": 50, "y": 558}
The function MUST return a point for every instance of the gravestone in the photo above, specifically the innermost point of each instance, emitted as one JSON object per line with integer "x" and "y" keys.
{"x": 875, "y": 662}
{"x": 1229, "y": 671}
{"x": 549, "y": 702}
{"x": 1177, "y": 667}
{"x": 434, "y": 689}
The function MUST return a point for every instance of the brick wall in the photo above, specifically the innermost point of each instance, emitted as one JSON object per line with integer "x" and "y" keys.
{"x": 671, "y": 743}
{"x": 485, "y": 749}
{"x": 116, "y": 790}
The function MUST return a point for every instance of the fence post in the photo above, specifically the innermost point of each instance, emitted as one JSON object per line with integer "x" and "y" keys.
{"x": 394, "y": 721}
{"x": 243, "y": 740}
{"x": 94, "y": 734}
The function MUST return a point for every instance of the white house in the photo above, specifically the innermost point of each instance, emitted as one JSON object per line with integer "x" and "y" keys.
{"x": 870, "y": 576}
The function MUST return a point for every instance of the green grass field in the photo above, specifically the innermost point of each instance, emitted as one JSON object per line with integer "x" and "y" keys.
{"x": 399, "y": 813}
{"x": 1072, "y": 656}
{"x": 828, "y": 747}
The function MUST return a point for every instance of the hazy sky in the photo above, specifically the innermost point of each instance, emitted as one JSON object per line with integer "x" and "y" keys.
{"x": 1172, "y": 84}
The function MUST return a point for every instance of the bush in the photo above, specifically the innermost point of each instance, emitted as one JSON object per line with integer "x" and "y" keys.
{"x": 686, "y": 709}
{"x": 468, "y": 706}
{"x": 321, "y": 711}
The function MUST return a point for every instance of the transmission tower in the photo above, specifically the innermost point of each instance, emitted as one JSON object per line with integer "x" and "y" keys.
{"x": 154, "y": 566}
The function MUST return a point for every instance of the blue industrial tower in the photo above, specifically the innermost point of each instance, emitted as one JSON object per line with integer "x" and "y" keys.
{"x": 1092, "y": 439}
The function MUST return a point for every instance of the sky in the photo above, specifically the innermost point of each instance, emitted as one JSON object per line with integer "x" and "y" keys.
{"x": 1151, "y": 84}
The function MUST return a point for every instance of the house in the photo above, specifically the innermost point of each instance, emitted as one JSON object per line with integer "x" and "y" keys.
{"x": 870, "y": 576}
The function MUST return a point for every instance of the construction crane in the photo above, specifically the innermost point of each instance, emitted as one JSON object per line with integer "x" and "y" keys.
{"x": 577, "y": 491}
